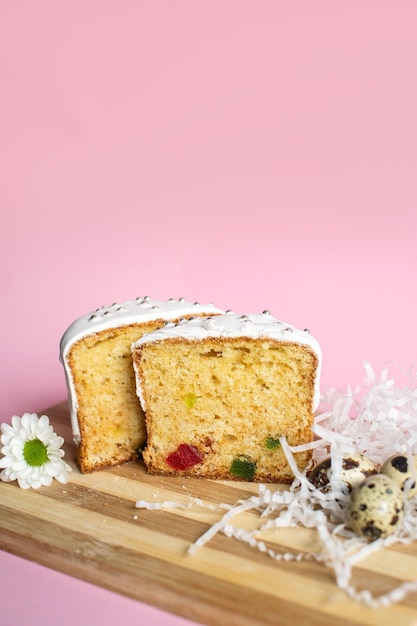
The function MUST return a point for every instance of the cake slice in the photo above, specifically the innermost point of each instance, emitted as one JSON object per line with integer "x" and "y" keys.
{"x": 107, "y": 421}
{"x": 219, "y": 392}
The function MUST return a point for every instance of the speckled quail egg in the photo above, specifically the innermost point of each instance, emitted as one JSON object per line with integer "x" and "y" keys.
{"x": 355, "y": 467}
{"x": 400, "y": 468}
{"x": 376, "y": 507}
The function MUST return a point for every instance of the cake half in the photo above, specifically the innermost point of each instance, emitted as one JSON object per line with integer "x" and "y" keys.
{"x": 219, "y": 392}
{"x": 107, "y": 420}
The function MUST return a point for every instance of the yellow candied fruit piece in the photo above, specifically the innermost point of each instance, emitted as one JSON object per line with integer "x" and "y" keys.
{"x": 190, "y": 399}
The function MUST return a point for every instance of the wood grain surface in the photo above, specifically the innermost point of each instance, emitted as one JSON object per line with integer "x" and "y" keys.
{"x": 90, "y": 529}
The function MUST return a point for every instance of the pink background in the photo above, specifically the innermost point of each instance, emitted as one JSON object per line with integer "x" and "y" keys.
{"x": 256, "y": 154}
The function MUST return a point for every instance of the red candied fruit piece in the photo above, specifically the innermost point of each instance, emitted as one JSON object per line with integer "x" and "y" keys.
{"x": 185, "y": 456}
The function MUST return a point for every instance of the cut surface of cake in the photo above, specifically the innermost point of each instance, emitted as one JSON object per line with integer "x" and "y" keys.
{"x": 107, "y": 420}
{"x": 219, "y": 392}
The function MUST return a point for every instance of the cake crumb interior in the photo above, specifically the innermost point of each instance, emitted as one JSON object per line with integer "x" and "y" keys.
{"x": 230, "y": 399}
{"x": 111, "y": 421}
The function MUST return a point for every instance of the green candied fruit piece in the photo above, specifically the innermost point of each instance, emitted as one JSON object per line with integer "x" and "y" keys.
{"x": 272, "y": 443}
{"x": 190, "y": 399}
{"x": 243, "y": 467}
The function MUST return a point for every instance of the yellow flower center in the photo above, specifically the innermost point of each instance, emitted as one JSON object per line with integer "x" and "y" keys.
{"x": 35, "y": 453}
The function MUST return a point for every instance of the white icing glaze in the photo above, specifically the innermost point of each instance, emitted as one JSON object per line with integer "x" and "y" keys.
{"x": 139, "y": 311}
{"x": 232, "y": 325}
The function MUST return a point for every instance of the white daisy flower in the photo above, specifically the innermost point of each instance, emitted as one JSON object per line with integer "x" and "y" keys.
{"x": 32, "y": 452}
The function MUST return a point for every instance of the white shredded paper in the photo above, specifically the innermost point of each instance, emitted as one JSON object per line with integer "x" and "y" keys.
{"x": 378, "y": 419}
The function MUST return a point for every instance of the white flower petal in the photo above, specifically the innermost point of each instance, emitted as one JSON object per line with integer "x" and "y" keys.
{"x": 17, "y": 465}
{"x": 6, "y": 430}
{"x": 16, "y": 422}
{"x": 12, "y": 475}
{"x": 4, "y": 475}
{"x": 56, "y": 442}
{"x": 26, "y": 421}
{"x": 23, "y": 484}
{"x": 16, "y": 451}
{"x": 15, "y": 441}
{"x": 44, "y": 422}
{"x": 31, "y": 481}
{"x": 50, "y": 469}
{"x": 46, "y": 480}
{"x": 62, "y": 477}
{"x": 55, "y": 455}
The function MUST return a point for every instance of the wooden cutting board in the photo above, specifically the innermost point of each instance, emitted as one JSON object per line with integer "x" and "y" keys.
{"x": 90, "y": 529}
